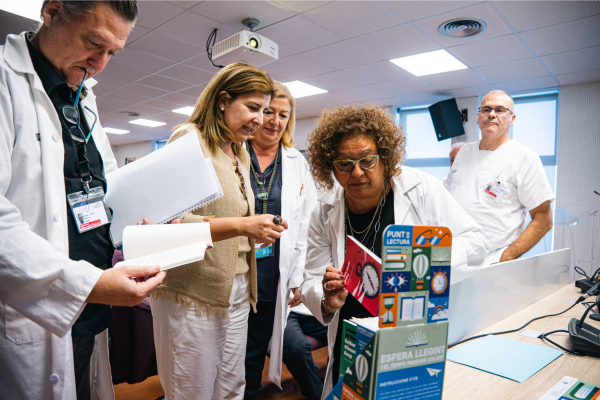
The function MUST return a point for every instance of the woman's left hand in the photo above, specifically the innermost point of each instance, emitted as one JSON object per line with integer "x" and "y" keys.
{"x": 297, "y": 300}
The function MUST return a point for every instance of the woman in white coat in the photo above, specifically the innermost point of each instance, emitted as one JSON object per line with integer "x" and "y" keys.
{"x": 355, "y": 153}
{"x": 282, "y": 185}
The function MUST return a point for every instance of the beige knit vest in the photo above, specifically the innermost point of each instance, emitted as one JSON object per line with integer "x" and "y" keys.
{"x": 207, "y": 284}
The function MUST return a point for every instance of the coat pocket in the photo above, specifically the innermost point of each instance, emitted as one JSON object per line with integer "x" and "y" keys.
{"x": 20, "y": 329}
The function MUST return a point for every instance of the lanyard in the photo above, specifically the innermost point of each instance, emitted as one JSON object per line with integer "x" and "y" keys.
{"x": 260, "y": 183}
{"x": 71, "y": 114}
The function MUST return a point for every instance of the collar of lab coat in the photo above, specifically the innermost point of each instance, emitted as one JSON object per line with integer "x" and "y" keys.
{"x": 16, "y": 54}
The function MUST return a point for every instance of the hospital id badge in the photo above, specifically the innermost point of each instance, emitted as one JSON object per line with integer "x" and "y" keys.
{"x": 494, "y": 190}
{"x": 263, "y": 252}
{"x": 89, "y": 210}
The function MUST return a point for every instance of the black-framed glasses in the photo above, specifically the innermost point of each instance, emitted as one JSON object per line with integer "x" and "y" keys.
{"x": 364, "y": 163}
{"x": 71, "y": 115}
{"x": 497, "y": 110}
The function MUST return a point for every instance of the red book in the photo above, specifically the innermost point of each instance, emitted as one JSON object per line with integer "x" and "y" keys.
{"x": 362, "y": 270}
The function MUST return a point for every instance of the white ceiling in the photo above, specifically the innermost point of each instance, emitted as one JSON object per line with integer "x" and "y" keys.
{"x": 344, "y": 47}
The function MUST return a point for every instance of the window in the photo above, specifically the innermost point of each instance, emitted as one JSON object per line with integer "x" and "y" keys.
{"x": 423, "y": 151}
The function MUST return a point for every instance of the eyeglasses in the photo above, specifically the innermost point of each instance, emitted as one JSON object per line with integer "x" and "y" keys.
{"x": 71, "y": 114}
{"x": 433, "y": 240}
{"x": 364, "y": 163}
{"x": 241, "y": 178}
{"x": 497, "y": 110}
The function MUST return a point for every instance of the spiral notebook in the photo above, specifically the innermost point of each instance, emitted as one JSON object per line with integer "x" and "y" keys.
{"x": 161, "y": 186}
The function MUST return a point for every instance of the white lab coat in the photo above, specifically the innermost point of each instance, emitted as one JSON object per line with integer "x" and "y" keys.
{"x": 42, "y": 291}
{"x": 419, "y": 199}
{"x": 519, "y": 173}
{"x": 296, "y": 207}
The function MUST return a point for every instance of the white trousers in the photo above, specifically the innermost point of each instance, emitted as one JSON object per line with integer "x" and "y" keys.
{"x": 201, "y": 356}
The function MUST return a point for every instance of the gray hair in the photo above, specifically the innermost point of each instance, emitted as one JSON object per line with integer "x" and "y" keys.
{"x": 456, "y": 145}
{"x": 69, "y": 9}
{"x": 498, "y": 91}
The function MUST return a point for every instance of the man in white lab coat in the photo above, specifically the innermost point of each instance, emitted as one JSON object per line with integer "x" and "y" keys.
{"x": 50, "y": 145}
{"x": 498, "y": 180}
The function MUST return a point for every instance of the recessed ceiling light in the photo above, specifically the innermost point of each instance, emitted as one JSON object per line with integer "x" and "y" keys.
{"x": 184, "y": 110}
{"x": 115, "y": 131}
{"x": 301, "y": 89}
{"x": 147, "y": 122}
{"x": 28, "y": 9}
{"x": 90, "y": 83}
{"x": 433, "y": 62}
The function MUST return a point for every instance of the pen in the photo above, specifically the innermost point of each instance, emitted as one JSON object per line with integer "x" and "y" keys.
{"x": 301, "y": 188}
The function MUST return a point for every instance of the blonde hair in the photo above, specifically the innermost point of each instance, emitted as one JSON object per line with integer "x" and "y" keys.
{"x": 235, "y": 79}
{"x": 282, "y": 92}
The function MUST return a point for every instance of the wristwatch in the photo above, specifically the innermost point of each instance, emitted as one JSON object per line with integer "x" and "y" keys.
{"x": 327, "y": 307}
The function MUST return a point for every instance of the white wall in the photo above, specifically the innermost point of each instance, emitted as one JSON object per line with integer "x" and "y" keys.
{"x": 578, "y": 173}
{"x": 137, "y": 150}
{"x": 304, "y": 127}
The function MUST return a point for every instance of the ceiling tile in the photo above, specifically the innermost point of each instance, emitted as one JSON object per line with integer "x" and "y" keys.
{"x": 152, "y": 14}
{"x": 414, "y": 10}
{"x": 334, "y": 81}
{"x": 139, "y": 60}
{"x": 530, "y": 84}
{"x": 423, "y": 98}
{"x": 195, "y": 29}
{"x": 185, "y": 73}
{"x": 193, "y": 91}
{"x": 137, "y": 33}
{"x": 123, "y": 95}
{"x": 363, "y": 93}
{"x": 166, "y": 47}
{"x": 382, "y": 71}
{"x": 202, "y": 62}
{"x": 160, "y": 104}
{"x": 495, "y": 25}
{"x": 491, "y": 51}
{"x": 455, "y": 79}
{"x": 120, "y": 71}
{"x": 233, "y": 13}
{"x": 329, "y": 100}
{"x": 294, "y": 67}
{"x": 146, "y": 91}
{"x": 471, "y": 91}
{"x": 564, "y": 37}
{"x": 579, "y": 77}
{"x": 511, "y": 71}
{"x": 341, "y": 55}
{"x": 405, "y": 87}
{"x": 404, "y": 40}
{"x": 185, "y": 3}
{"x": 388, "y": 101}
{"x": 180, "y": 99}
{"x": 302, "y": 5}
{"x": 114, "y": 103}
{"x": 526, "y": 15}
{"x": 107, "y": 85}
{"x": 354, "y": 18}
{"x": 164, "y": 83}
{"x": 144, "y": 111}
{"x": 298, "y": 34}
{"x": 573, "y": 61}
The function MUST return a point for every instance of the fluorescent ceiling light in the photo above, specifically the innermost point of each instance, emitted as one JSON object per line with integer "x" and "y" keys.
{"x": 184, "y": 110}
{"x": 147, "y": 122}
{"x": 433, "y": 62}
{"x": 29, "y": 9}
{"x": 90, "y": 83}
{"x": 301, "y": 89}
{"x": 415, "y": 107}
{"x": 115, "y": 131}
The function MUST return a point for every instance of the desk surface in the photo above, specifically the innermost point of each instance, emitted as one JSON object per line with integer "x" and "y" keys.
{"x": 462, "y": 382}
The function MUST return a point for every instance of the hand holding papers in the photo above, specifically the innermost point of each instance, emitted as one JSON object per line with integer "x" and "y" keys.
{"x": 161, "y": 186}
{"x": 168, "y": 246}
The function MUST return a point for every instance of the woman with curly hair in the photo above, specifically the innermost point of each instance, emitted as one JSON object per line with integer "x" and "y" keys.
{"x": 355, "y": 154}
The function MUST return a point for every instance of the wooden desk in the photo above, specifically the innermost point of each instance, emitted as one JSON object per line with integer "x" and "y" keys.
{"x": 462, "y": 382}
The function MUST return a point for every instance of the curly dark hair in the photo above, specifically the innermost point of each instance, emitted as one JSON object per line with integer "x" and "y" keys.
{"x": 335, "y": 123}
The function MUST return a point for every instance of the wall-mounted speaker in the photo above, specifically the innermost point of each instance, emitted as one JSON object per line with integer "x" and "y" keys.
{"x": 447, "y": 119}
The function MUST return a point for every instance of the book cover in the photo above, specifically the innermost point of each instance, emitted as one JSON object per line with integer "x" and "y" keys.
{"x": 411, "y": 360}
{"x": 358, "y": 380}
{"x": 415, "y": 275}
{"x": 362, "y": 270}
{"x": 365, "y": 330}
{"x": 348, "y": 352}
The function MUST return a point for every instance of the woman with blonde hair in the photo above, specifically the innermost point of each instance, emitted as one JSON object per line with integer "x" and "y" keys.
{"x": 201, "y": 310}
{"x": 282, "y": 184}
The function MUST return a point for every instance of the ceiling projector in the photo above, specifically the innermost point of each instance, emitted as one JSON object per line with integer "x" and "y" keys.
{"x": 245, "y": 46}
